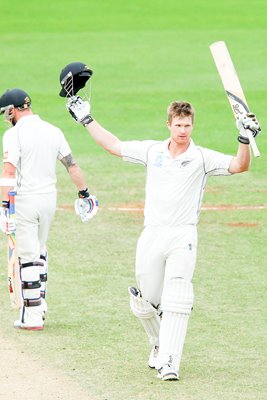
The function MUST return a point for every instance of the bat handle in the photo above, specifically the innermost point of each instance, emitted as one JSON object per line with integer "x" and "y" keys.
{"x": 253, "y": 144}
{"x": 11, "y": 196}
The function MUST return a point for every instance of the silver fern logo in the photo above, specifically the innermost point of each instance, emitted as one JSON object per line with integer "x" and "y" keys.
{"x": 186, "y": 162}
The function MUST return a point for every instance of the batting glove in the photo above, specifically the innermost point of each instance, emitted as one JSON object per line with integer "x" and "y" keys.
{"x": 7, "y": 224}
{"x": 247, "y": 122}
{"x": 79, "y": 110}
{"x": 86, "y": 206}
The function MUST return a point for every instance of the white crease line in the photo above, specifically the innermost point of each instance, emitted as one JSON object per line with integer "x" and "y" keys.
{"x": 125, "y": 209}
{"x": 204, "y": 208}
{"x": 230, "y": 208}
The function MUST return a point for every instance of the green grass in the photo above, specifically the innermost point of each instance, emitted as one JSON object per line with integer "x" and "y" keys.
{"x": 144, "y": 55}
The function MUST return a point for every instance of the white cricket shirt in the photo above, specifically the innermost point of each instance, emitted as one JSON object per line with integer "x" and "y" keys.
{"x": 174, "y": 186}
{"x": 33, "y": 147}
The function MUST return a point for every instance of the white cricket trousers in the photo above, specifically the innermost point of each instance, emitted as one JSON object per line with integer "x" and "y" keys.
{"x": 164, "y": 253}
{"x": 34, "y": 214}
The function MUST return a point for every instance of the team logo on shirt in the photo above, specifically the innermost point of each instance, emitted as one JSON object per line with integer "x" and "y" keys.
{"x": 158, "y": 161}
{"x": 186, "y": 162}
{"x": 5, "y": 155}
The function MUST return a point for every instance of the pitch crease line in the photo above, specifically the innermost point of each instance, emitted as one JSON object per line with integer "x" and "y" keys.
{"x": 204, "y": 208}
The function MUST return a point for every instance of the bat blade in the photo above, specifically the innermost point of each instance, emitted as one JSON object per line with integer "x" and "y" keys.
{"x": 14, "y": 281}
{"x": 13, "y": 276}
{"x": 231, "y": 85}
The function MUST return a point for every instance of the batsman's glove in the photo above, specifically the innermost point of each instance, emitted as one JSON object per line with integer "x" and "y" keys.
{"x": 7, "y": 224}
{"x": 86, "y": 206}
{"x": 247, "y": 122}
{"x": 79, "y": 110}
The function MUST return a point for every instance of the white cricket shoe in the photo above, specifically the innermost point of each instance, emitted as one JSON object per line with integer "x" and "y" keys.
{"x": 20, "y": 325}
{"x": 153, "y": 357}
{"x": 31, "y": 317}
{"x": 167, "y": 373}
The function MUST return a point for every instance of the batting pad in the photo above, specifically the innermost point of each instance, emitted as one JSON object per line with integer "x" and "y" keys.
{"x": 177, "y": 296}
{"x": 43, "y": 269}
{"x": 30, "y": 278}
{"x": 148, "y": 317}
{"x": 177, "y": 301}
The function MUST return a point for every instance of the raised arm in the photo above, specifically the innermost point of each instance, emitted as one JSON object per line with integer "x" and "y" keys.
{"x": 241, "y": 161}
{"x": 104, "y": 138}
{"x": 80, "y": 111}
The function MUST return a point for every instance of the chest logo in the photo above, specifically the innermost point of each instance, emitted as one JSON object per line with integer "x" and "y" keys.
{"x": 158, "y": 161}
{"x": 185, "y": 162}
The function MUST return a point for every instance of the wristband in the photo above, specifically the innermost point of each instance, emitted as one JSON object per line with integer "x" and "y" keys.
{"x": 243, "y": 140}
{"x": 87, "y": 120}
{"x": 82, "y": 194}
{"x": 5, "y": 204}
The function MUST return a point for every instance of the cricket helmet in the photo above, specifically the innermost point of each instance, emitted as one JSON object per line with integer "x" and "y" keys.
{"x": 73, "y": 77}
{"x": 16, "y": 98}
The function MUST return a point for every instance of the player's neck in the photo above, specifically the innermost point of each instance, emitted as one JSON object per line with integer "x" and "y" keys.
{"x": 176, "y": 149}
{"x": 22, "y": 113}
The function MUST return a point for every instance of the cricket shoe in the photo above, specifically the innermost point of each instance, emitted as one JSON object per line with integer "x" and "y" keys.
{"x": 167, "y": 373}
{"x": 153, "y": 357}
{"x": 20, "y": 325}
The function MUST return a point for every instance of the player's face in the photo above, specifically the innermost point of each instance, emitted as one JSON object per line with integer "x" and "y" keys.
{"x": 180, "y": 129}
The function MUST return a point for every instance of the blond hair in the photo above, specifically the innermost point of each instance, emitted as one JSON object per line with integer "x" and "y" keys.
{"x": 180, "y": 109}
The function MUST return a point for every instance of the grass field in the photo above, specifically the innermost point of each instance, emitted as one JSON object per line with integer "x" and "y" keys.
{"x": 144, "y": 55}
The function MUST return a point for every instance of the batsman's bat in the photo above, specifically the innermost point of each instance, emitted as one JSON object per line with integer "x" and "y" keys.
{"x": 232, "y": 85}
{"x": 14, "y": 281}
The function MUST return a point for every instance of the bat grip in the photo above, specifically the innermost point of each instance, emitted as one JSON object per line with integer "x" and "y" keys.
{"x": 253, "y": 144}
{"x": 11, "y": 196}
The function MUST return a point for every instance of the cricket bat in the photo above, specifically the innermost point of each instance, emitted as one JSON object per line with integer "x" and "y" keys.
{"x": 14, "y": 281}
{"x": 232, "y": 85}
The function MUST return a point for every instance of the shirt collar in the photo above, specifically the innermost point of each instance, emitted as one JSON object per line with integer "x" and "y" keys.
{"x": 26, "y": 117}
{"x": 189, "y": 150}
